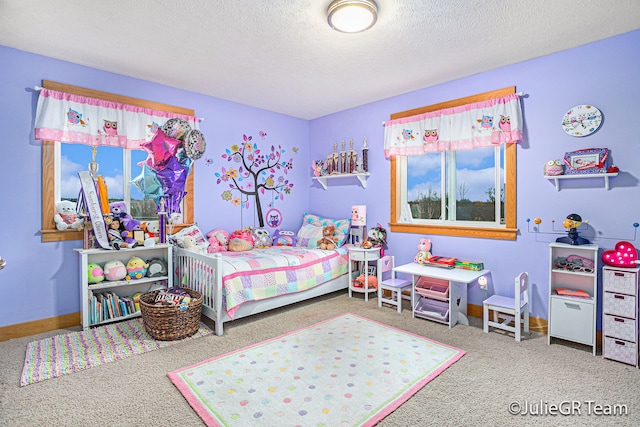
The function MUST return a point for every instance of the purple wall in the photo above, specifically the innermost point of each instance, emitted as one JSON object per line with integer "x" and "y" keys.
{"x": 604, "y": 74}
{"x": 40, "y": 279}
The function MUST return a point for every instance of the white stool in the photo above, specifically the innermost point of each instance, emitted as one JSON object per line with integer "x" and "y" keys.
{"x": 387, "y": 281}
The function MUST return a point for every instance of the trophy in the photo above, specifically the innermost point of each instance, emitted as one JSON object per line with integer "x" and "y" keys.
{"x": 352, "y": 158}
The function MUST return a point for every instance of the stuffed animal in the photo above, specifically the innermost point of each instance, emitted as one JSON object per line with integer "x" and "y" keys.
{"x": 240, "y": 240}
{"x": 136, "y": 268}
{"x": 329, "y": 239}
{"x": 157, "y": 267}
{"x": 114, "y": 234}
{"x": 127, "y": 234}
{"x": 424, "y": 251}
{"x": 218, "y": 240}
{"x": 66, "y": 216}
{"x": 189, "y": 242}
{"x": 95, "y": 273}
{"x": 359, "y": 282}
{"x": 151, "y": 231}
{"x": 115, "y": 270}
{"x": 261, "y": 238}
{"x": 119, "y": 211}
{"x": 284, "y": 238}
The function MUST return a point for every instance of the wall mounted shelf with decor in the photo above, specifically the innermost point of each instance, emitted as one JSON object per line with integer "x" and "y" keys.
{"x": 362, "y": 177}
{"x": 586, "y": 175}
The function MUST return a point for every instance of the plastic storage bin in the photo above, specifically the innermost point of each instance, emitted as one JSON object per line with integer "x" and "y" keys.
{"x": 432, "y": 309}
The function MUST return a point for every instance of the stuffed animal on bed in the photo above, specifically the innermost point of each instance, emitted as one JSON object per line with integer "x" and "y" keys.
{"x": 218, "y": 240}
{"x": 189, "y": 242}
{"x": 284, "y": 238}
{"x": 240, "y": 241}
{"x": 329, "y": 239}
{"x": 261, "y": 238}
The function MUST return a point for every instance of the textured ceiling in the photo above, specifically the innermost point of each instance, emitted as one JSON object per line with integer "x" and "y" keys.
{"x": 280, "y": 55}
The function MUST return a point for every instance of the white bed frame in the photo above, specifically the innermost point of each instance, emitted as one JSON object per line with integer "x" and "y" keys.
{"x": 202, "y": 274}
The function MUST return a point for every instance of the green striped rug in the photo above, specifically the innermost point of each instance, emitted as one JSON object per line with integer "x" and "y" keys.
{"x": 77, "y": 351}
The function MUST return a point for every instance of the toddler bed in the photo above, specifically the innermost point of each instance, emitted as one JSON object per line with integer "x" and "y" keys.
{"x": 238, "y": 284}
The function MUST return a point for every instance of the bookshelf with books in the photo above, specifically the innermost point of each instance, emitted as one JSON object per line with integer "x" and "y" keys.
{"x": 114, "y": 300}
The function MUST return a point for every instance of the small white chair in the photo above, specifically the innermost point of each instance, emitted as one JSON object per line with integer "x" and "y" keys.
{"x": 387, "y": 281}
{"x": 509, "y": 309}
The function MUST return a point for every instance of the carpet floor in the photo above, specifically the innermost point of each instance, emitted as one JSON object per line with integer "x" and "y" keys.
{"x": 345, "y": 371}
{"x": 77, "y": 351}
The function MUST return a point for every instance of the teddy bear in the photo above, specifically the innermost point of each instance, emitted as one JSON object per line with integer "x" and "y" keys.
{"x": 128, "y": 233}
{"x": 329, "y": 239}
{"x": 66, "y": 216}
{"x": 151, "y": 231}
{"x": 424, "y": 248}
{"x": 119, "y": 211}
{"x": 189, "y": 242}
{"x": 218, "y": 240}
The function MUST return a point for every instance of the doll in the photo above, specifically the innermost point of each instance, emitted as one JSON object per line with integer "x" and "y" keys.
{"x": 115, "y": 236}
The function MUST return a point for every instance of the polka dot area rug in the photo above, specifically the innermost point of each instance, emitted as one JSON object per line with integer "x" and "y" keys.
{"x": 344, "y": 371}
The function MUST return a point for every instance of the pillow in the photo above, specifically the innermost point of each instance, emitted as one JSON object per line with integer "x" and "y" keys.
{"x": 284, "y": 238}
{"x": 342, "y": 226}
{"x": 308, "y": 236}
{"x": 193, "y": 231}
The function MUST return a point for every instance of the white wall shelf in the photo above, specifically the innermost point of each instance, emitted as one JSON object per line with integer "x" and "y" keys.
{"x": 606, "y": 176}
{"x": 362, "y": 177}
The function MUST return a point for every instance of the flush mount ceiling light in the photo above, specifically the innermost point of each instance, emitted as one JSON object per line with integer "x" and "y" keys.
{"x": 352, "y": 16}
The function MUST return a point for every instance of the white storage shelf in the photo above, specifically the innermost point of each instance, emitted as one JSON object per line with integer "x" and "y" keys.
{"x": 361, "y": 176}
{"x": 120, "y": 287}
{"x": 573, "y": 318}
{"x": 604, "y": 176}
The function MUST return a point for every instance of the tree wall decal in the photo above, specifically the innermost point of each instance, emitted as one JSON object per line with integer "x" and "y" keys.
{"x": 254, "y": 173}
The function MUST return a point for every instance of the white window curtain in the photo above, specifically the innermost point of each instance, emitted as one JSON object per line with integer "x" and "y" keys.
{"x": 75, "y": 119}
{"x": 476, "y": 125}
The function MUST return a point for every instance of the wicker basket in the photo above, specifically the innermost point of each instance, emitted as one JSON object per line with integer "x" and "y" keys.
{"x": 170, "y": 322}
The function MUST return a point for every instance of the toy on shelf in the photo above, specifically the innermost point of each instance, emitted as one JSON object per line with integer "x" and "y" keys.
{"x": 115, "y": 270}
{"x": 572, "y": 222}
{"x": 95, "y": 273}
{"x": 136, "y": 268}
{"x": 378, "y": 237}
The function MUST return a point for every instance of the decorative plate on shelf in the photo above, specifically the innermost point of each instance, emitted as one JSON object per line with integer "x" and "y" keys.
{"x": 582, "y": 120}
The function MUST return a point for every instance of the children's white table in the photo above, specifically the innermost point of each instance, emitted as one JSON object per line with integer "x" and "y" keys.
{"x": 458, "y": 280}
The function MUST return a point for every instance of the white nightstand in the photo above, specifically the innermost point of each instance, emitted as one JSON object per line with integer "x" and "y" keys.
{"x": 359, "y": 254}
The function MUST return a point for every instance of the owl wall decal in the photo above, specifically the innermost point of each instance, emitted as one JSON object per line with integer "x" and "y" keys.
{"x": 505, "y": 123}
{"x": 430, "y": 135}
{"x": 110, "y": 128}
{"x": 554, "y": 167}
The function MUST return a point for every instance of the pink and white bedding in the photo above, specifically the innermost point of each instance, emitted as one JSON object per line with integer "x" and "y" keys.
{"x": 265, "y": 273}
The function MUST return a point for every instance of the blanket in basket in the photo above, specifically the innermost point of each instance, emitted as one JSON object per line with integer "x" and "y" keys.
{"x": 278, "y": 270}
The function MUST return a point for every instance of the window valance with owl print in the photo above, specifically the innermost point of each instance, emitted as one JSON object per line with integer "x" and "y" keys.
{"x": 75, "y": 119}
{"x": 476, "y": 125}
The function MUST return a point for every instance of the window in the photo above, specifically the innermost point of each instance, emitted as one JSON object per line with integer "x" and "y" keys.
{"x": 61, "y": 162}
{"x": 458, "y": 193}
